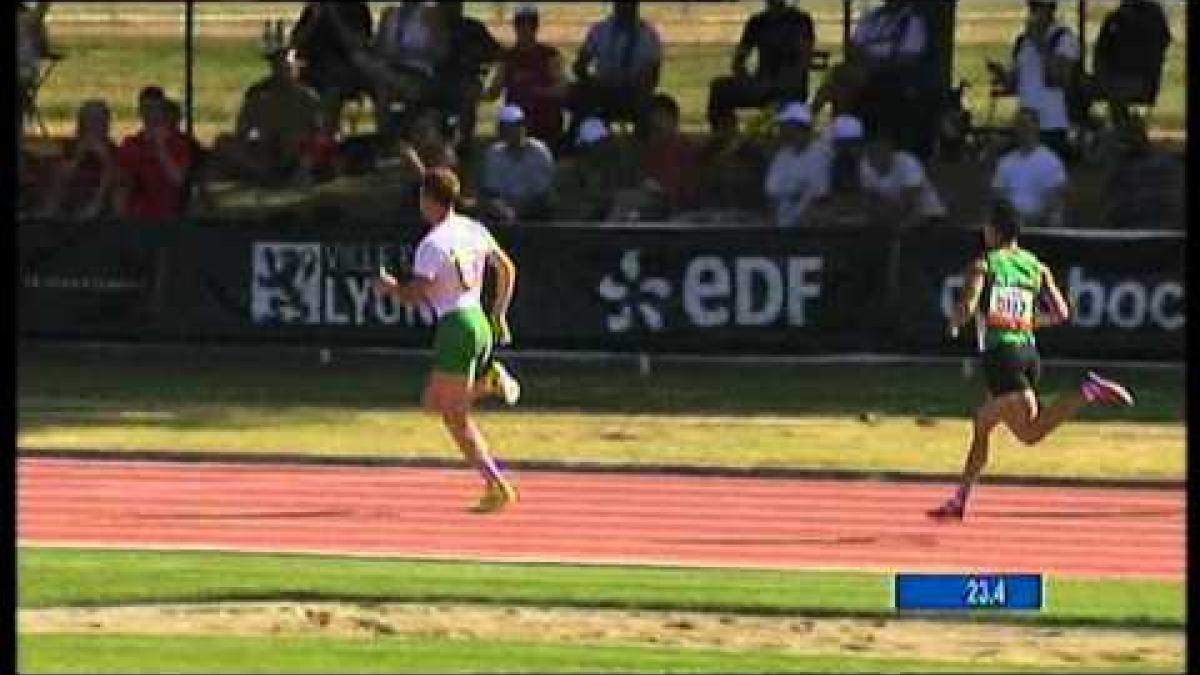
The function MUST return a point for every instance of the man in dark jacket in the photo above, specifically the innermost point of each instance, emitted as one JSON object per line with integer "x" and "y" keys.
{"x": 1129, "y": 53}
{"x": 782, "y": 38}
{"x": 325, "y": 39}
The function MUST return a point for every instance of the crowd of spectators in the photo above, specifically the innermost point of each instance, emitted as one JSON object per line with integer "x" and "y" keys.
{"x": 606, "y": 144}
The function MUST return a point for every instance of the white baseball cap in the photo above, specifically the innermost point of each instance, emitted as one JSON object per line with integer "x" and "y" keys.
{"x": 847, "y": 128}
{"x": 592, "y": 130}
{"x": 796, "y": 113}
{"x": 511, "y": 114}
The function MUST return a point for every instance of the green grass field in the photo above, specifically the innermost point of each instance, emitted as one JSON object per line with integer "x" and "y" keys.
{"x": 85, "y": 578}
{"x": 768, "y": 416}
{"x": 210, "y": 654}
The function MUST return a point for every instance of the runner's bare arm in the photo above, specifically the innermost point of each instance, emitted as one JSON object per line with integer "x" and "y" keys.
{"x": 969, "y": 301}
{"x": 1059, "y": 307}
{"x": 506, "y": 281}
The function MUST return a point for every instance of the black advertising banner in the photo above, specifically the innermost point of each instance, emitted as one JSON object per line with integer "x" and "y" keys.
{"x": 299, "y": 283}
{"x": 698, "y": 290}
{"x": 87, "y": 280}
{"x": 644, "y": 288}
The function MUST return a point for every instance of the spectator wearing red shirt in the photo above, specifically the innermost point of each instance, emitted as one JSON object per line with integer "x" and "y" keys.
{"x": 668, "y": 160}
{"x": 531, "y": 76}
{"x": 154, "y": 163}
{"x": 84, "y": 184}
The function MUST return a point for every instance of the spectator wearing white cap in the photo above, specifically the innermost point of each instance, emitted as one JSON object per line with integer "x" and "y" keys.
{"x": 530, "y": 74}
{"x": 845, "y": 201}
{"x": 1032, "y": 178}
{"x": 587, "y": 183}
{"x": 518, "y": 171}
{"x": 899, "y": 192}
{"x": 798, "y": 176}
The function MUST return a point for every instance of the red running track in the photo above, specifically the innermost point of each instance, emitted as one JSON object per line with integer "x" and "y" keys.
{"x": 614, "y": 518}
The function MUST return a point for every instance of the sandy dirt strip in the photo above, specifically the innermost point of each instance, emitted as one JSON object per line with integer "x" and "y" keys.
{"x": 907, "y": 638}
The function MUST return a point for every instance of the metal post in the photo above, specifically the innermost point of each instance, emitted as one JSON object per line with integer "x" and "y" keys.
{"x": 847, "y": 10}
{"x": 1083, "y": 33}
{"x": 189, "y": 34}
{"x": 189, "y": 31}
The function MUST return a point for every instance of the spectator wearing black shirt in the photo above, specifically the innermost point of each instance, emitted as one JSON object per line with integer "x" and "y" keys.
{"x": 460, "y": 74}
{"x": 325, "y": 39}
{"x": 782, "y": 37}
{"x": 1130, "y": 52}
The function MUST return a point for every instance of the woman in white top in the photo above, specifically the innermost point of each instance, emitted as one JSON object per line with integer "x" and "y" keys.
{"x": 448, "y": 272}
{"x": 898, "y": 189}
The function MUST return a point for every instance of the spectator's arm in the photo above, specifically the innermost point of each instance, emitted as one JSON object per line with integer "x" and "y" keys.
{"x": 352, "y": 38}
{"x": 1056, "y": 195}
{"x": 491, "y": 49}
{"x": 649, "y": 75}
{"x": 543, "y": 177}
{"x": 558, "y": 85}
{"x": 1062, "y": 60}
{"x": 305, "y": 25}
{"x": 1000, "y": 183}
{"x": 105, "y": 190}
{"x": 913, "y": 44}
{"x": 387, "y": 28}
{"x": 495, "y": 85}
{"x": 246, "y": 116}
{"x": 173, "y": 160}
{"x": 744, "y": 46}
{"x": 587, "y": 52}
{"x": 123, "y": 187}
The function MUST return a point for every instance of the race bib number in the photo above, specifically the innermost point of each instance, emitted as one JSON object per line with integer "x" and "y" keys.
{"x": 1010, "y": 307}
{"x": 469, "y": 265}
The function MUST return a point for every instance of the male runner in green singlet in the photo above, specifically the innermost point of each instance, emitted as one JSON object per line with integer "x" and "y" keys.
{"x": 1019, "y": 295}
{"x": 448, "y": 272}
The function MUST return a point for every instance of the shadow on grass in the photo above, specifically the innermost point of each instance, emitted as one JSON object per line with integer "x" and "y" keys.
{"x": 93, "y": 387}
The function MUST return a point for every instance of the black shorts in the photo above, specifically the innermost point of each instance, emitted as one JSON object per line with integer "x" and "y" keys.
{"x": 1011, "y": 368}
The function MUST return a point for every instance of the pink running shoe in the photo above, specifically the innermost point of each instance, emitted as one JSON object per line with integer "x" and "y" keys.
{"x": 1096, "y": 389}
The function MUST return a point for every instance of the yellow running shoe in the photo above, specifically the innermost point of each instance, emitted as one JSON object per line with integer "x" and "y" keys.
{"x": 499, "y": 381}
{"x": 495, "y": 497}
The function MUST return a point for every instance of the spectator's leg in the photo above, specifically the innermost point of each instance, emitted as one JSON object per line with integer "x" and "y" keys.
{"x": 721, "y": 102}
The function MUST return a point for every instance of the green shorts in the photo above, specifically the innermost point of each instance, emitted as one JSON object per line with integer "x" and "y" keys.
{"x": 462, "y": 343}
